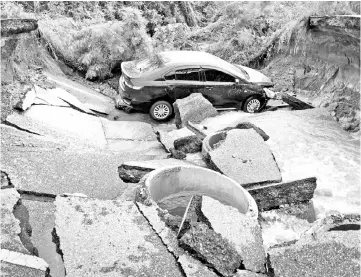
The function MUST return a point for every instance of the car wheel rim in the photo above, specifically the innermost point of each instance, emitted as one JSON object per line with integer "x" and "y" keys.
{"x": 253, "y": 105}
{"x": 161, "y": 111}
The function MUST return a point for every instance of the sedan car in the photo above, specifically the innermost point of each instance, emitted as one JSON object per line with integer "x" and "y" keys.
{"x": 155, "y": 83}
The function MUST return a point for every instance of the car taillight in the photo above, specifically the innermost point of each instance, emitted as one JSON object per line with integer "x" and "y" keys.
{"x": 129, "y": 84}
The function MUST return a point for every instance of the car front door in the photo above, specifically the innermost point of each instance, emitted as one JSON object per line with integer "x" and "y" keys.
{"x": 181, "y": 82}
{"x": 218, "y": 87}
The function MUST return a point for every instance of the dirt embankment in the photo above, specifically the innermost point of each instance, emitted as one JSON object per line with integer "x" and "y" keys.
{"x": 322, "y": 62}
{"x": 23, "y": 57}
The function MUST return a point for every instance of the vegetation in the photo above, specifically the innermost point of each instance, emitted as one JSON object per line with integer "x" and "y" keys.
{"x": 93, "y": 37}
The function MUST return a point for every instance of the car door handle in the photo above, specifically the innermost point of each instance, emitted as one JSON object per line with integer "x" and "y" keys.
{"x": 209, "y": 88}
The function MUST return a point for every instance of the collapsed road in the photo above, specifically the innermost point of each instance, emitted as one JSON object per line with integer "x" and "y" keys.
{"x": 78, "y": 189}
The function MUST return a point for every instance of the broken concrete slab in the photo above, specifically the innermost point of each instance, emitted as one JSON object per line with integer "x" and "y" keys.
{"x": 191, "y": 266}
{"x": 109, "y": 237}
{"x": 134, "y": 171}
{"x": 209, "y": 246}
{"x": 332, "y": 253}
{"x": 65, "y": 122}
{"x": 194, "y": 108}
{"x": 274, "y": 195}
{"x": 246, "y": 273}
{"x": 247, "y": 125}
{"x": 128, "y": 130}
{"x": 10, "y": 226}
{"x": 15, "y": 270}
{"x": 196, "y": 159}
{"x": 241, "y": 231}
{"x": 188, "y": 144}
{"x": 27, "y": 100}
{"x": 246, "y": 158}
{"x": 5, "y": 181}
{"x": 294, "y": 102}
{"x": 168, "y": 138}
{"x": 335, "y": 222}
{"x": 44, "y": 96}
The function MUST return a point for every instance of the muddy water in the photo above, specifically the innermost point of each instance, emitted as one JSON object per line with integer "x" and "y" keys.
{"x": 306, "y": 143}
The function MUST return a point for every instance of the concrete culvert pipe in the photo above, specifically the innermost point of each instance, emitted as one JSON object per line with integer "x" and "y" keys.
{"x": 192, "y": 180}
{"x": 210, "y": 140}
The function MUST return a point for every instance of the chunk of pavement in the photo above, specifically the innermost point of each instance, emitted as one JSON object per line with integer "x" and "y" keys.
{"x": 26, "y": 100}
{"x": 150, "y": 149}
{"x": 194, "y": 108}
{"x": 168, "y": 138}
{"x": 211, "y": 248}
{"x": 128, "y": 130}
{"x": 272, "y": 196}
{"x": 294, "y": 102}
{"x": 196, "y": 159}
{"x": 189, "y": 144}
{"x": 248, "y": 125}
{"x": 246, "y": 273}
{"x": 44, "y": 96}
{"x": 10, "y": 226}
{"x": 246, "y": 158}
{"x": 16, "y": 270}
{"x": 330, "y": 253}
{"x": 109, "y": 238}
{"x": 335, "y": 222}
{"x": 241, "y": 231}
{"x": 134, "y": 171}
{"x": 176, "y": 154}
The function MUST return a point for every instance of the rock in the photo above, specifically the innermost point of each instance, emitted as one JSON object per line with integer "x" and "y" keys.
{"x": 330, "y": 253}
{"x": 27, "y": 100}
{"x": 189, "y": 144}
{"x": 246, "y": 158}
{"x": 109, "y": 238}
{"x": 128, "y": 130}
{"x": 168, "y": 138}
{"x": 274, "y": 195}
{"x": 210, "y": 247}
{"x": 134, "y": 171}
{"x": 247, "y": 125}
{"x": 176, "y": 154}
{"x": 16, "y": 26}
{"x": 194, "y": 108}
{"x": 241, "y": 231}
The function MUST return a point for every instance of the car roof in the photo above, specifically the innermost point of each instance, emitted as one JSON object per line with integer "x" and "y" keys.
{"x": 186, "y": 58}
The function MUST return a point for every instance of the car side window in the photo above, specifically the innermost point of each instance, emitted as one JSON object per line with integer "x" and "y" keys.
{"x": 213, "y": 75}
{"x": 189, "y": 74}
{"x": 170, "y": 76}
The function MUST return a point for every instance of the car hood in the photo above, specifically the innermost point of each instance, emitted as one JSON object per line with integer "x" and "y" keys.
{"x": 257, "y": 77}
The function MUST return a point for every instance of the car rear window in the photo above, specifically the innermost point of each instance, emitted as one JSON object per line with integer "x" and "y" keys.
{"x": 140, "y": 67}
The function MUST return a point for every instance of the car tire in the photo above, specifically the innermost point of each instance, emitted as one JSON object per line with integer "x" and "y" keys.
{"x": 161, "y": 110}
{"x": 253, "y": 104}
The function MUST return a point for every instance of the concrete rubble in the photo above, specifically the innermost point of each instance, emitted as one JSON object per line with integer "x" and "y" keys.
{"x": 16, "y": 258}
{"x": 189, "y": 144}
{"x": 241, "y": 231}
{"x": 319, "y": 253}
{"x": 275, "y": 195}
{"x": 194, "y": 108}
{"x": 168, "y": 138}
{"x": 109, "y": 238}
{"x": 134, "y": 171}
{"x": 244, "y": 156}
{"x": 27, "y": 100}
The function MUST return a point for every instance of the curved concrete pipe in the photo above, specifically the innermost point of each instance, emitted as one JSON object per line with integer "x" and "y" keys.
{"x": 210, "y": 140}
{"x": 192, "y": 180}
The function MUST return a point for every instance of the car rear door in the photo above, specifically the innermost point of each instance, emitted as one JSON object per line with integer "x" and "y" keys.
{"x": 218, "y": 87}
{"x": 183, "y": 81}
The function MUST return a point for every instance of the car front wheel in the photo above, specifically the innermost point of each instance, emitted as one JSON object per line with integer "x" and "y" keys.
{"x": 253, "y": 105}
{"x": 161, "y": 110}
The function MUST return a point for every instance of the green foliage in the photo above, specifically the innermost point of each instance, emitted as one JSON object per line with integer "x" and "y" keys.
{"x": 10, "y": 9}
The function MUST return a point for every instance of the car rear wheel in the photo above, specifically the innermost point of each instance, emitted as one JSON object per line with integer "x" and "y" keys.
{"x": 161, "y": 110}
{"x": 253, "y": 105}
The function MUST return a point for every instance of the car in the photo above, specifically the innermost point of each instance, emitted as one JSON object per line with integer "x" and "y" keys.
{"x": 153, "y": 84}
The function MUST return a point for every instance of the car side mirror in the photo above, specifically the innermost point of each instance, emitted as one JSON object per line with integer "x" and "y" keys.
{"x": 237, "y": 81}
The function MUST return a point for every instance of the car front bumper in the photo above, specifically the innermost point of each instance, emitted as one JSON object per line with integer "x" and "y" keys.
{"x": 120, "y": 102}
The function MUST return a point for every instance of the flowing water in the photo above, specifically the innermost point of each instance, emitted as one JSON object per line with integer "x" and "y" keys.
{"x": 305, "y": 143}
